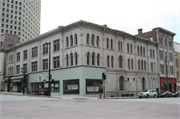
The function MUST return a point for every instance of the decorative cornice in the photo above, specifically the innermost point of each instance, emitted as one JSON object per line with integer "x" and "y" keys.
{"x": 103, "y": 28}
{"x": 81, "y": 23}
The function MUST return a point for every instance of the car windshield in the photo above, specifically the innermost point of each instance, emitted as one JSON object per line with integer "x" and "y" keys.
{"x": 145, "y": 90}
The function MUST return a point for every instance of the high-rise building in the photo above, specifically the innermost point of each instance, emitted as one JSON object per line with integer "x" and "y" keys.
{"x": 20, "y": 17}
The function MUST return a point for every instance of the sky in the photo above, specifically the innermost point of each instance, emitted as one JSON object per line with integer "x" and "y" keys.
{"x": 124, "y": 15}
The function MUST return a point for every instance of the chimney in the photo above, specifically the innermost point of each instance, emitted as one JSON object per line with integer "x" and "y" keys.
{"x": 139, "y": 31}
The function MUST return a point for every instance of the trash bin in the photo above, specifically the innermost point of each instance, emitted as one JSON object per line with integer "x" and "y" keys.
{"x": 44, "y": 91}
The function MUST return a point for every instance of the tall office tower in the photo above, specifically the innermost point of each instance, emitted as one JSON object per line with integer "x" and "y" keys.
{"x": 20, "y": 17}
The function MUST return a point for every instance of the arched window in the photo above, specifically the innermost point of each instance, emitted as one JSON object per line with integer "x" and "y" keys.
{"x": 120, "y": 62}
{"x": 107, "y": 42}
{"x": 141, "y": 64}
{"x": 128, "y": 47}
{"x": 67, "y": 42}
{"x": 108, "y": 60}
{"x": 112, "y": 58}
{"x": 121, "y": 46}
{"x": 71, "y": 40}
{"x": 111, "y": 43}
{"x": 128, "y": 63}
{"x": 87, "y": 39}
{"x": 76, "y": 39}
{"x": 121, "y": 82}
{"x": 93, "y": 58}
{"x": 141, "y": 50}
{"x": 92, "y": 40}
{"x": 145, "y": 65}
{"x": 88, "y": 58}
{"x": 98, "y": 57}
{"x": 131, "y": 49}
{"x": 76, "y": 58}
{"x": 67, "y": 60}
{"x": 97, "y": 41}
{"x": 137, "y": 49}
{"x": 143, "y": 83}
{"x": 71, "y": 59}
{"x": 131, "y": 63}
{"x": 150, "y": 52}
{"x": 153, "y": 53}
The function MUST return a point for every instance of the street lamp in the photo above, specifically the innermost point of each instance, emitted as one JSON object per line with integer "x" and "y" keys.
{"x": 49, "y": 91}
{"x": 24, "y": 70}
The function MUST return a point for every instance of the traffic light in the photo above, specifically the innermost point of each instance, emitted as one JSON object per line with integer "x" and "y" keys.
{"x": 50, "y": 76}
{"x": 52, "y": 80}
{"x": 103, "y": 76}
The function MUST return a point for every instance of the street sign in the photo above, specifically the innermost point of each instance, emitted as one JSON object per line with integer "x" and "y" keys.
{"x": 167, "y": 83}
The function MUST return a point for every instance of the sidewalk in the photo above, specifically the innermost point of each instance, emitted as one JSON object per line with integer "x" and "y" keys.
{"x": 69, "y": 96}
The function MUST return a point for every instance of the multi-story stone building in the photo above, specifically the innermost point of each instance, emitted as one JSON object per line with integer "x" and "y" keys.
{"x": 80, "y": 53}
{"x": 177, "y": 60}
{"x": 20, "y": 17}
{"x": 166, "y": 63}
{"x": 6, "y": 41}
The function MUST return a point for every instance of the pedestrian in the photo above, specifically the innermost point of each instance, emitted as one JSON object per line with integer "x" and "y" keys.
{"x": 27, "y": 90}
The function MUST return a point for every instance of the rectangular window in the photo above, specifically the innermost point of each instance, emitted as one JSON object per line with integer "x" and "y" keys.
{"x": 45, "y": 64}
{"x": 18, "y": 69}
{"x": 18, "y": 56}
{"x": 151, "y": 66}
{"x": 161, "y": 41}
{"x": 161, "y": 54}
{"x": 170, "y": 56}
{"x": 34, "y": 52}
{"x": 56, "y": 45}
{"x": 45, "y": 49}
{"x": 25, "y": 55}
{"x": 34, "y": 66}
{"x": 162, "y": 68}
{"x": 71, "y": 86}
{"x": 56, "y": 62}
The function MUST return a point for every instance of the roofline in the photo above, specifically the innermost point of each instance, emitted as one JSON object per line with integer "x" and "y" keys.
{"x": 61, "y": 29}
{"x": 165, "y": 30}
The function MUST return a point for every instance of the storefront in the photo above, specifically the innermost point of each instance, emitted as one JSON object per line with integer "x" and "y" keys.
{"x": 80, "y": 80}
{"x": 168, "y": 85}
{"x": 6, "y": 84}
{"x": 16, "y": 83}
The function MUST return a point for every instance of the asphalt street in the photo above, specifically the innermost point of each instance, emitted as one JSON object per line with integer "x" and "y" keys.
{"x": 29, "y": 107}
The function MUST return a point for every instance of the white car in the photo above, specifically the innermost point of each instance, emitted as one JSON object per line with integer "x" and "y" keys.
{"x": 148, "y": 93}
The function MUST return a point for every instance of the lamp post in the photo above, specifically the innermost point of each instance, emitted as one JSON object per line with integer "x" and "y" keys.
{"x": 49, "y": 91}
{"x": 24, "y": 70}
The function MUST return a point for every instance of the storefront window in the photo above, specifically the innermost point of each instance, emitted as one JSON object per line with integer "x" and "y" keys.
{"x": 93, "y": 86}
{"x": 162, "y": 87}
{"x": 173, "y": 87}
{"x": 71, "y": 86}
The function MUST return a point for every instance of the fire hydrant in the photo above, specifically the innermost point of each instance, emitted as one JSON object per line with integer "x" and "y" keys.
{"x": 99, "y": 95}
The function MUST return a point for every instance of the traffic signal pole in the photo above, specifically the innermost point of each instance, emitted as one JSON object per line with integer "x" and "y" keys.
{"x": 104, "y": 78}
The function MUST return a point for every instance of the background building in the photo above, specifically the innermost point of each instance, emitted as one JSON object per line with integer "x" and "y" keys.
{"x": 80, "y": 53}
{"x": 177, "y": 60}
{"x": 166, "y": 63}
{"x": 20, "y": 17}
{"x": 6, "y": 41}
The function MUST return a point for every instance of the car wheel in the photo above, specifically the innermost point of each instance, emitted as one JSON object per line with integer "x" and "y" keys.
{"x": 139, "y": 97}
{"x": 147, "y": 96}
{"x": 154, "y": 96}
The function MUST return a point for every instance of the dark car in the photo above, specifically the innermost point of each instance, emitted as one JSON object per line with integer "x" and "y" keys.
{"x": 165, "y": 94}
{"x": 176, "y": 94}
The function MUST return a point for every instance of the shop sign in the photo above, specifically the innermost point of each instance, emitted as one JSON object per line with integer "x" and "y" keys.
{"x": 73, "y": 87}
{"x": 19, "y": 77}
{"x": 92, "y": 89}
{"x": 14, "y": 88}
{"x": 40, "y": 78}
{"x": 16, "y": 80}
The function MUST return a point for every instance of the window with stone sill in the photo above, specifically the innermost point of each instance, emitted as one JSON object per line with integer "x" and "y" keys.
{"x": 18, "y": 69}
{"x": 34, "y": 66}
{"x": 71, "y": 55}
{"x": 56, "y": 45}
{"x": 108, "y": 61}
{"x": 18, "y": 56}
{"x": 45, "y": 49}
{"x": 45, "y": 64}
{"x": 25, "y": 54}
{"x": 112, "y": 61}
{"x": 34, "y": 52}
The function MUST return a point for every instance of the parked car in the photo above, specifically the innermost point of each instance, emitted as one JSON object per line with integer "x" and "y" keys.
{"x": 165, "y": 94}
{"x": 176, "y": 94}
{"x": 148, "y": 93}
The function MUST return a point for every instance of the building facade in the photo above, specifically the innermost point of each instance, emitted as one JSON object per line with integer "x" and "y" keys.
{"x": 20, "y": 17}
{"x": 177, "y": 60}
{"x": 80, "y": 53}
{"x": 166, "y": 60}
